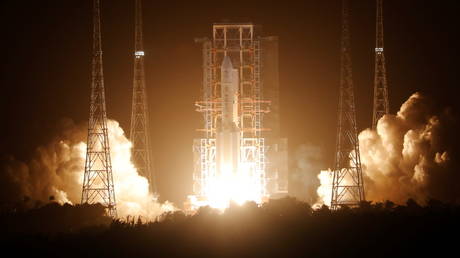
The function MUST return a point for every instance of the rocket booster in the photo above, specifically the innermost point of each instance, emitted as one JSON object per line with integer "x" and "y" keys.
{"x": 229, "y": 92}
{"x": 228, "y": 133}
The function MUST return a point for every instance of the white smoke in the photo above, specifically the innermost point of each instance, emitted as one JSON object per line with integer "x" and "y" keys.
{"x": 303, "y": 181}
{"x": 57, "y": 170}
{"x": 324, "y": 191}
{"x": 406, "y": 157}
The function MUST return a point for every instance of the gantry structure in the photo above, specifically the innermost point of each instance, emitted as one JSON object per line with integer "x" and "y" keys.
{"x": 98, "y": 186}
{"x": 347, "y": 183}
{"x": 242, "y": 43}
{"x": 381, "y": 104}
{"x": 139, "y": 133}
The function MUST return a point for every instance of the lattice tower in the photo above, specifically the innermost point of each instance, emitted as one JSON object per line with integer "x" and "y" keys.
{"x": 98, "y": 186}
{"x": 347, "y": 184}
{"x": 381, "y": 105}
{"x": 139, "y": 133}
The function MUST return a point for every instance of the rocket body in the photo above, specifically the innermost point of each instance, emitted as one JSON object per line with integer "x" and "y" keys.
{"x": 228, "y": 133}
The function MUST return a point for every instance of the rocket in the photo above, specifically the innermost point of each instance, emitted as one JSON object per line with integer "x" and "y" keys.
{"x": 228, "y": 132}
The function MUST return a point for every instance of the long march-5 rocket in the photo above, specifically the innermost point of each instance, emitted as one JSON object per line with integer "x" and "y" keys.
{"x": 228, "y": 133}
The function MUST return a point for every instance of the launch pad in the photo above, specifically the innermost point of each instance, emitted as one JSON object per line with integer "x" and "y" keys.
{"x": 230, "y": 160}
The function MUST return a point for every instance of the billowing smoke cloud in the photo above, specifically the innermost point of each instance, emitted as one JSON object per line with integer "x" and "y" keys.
{"x": 57, "y": 170}
{"x": 410, "y": 155}
{"x": 324, "y": 190}
{"x": 303, "y": 181}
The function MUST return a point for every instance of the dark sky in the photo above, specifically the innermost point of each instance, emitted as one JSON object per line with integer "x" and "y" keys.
{"x": 46, "y": 57}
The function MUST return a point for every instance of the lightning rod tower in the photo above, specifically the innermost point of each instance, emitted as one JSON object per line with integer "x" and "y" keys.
{"x": 139, "y": 134}
{"x": 98, "y": 184}
{"x": 381, "y": 105}
{"x": 347, "y": 184}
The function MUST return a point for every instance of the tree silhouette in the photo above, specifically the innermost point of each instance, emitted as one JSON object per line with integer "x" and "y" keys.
{"x": 278, "y": 228}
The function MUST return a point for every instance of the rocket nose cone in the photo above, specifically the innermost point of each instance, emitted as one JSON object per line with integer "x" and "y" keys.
{"x": 227, "y": 63}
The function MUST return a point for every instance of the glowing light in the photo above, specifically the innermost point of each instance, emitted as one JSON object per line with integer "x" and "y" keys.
{"x": 227, "y": 187}
{"x": 399, "y": 158}
{"x": 324, "y": 191}
{"x": 138, "y": 54}
{"x": 131, "y": 189}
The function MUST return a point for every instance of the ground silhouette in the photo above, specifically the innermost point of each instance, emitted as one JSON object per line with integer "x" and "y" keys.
{"x": 279, "y": 228}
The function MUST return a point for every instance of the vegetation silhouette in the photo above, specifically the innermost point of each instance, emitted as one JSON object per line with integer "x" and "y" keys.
{"x": 279, "y": 228}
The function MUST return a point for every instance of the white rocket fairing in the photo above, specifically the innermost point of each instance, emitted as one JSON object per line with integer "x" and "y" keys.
{"x": 228, "y": 133}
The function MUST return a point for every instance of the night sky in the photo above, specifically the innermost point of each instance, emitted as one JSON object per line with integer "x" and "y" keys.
{"x": 46, "y": 65}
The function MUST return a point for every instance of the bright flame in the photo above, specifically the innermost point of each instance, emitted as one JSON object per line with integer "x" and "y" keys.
{"x": 227, "y": 187}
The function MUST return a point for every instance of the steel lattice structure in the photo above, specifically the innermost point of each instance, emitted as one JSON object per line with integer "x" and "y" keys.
{"x": 241, "y": 43}
{"x": 98, "y": 186}
{"x": 381, "y": 105}
{"x": 347, "y": 184}
{"x": 139, "y": 134}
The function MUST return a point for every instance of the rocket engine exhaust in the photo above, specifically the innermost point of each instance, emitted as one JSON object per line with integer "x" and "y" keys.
{"x": 230, "y": 157}
{"x": 229, "y": 177}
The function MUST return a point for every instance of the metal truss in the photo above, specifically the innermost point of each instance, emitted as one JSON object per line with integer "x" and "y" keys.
{"x": 139, "y": 134}
{"x": 242, "y": 45}
{"x": 381, "y": 104}
{"x": 347, "y": 184}
{"x": 98, "y": 184}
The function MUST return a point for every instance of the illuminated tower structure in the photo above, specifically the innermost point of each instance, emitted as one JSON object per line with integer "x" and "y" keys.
{"x": 139, "y": 134}
{"x": 347, "y": 184}
{"x": 381, "y": 105}
{"x": 243, "y": 45}
{"x": 98, "y": 186}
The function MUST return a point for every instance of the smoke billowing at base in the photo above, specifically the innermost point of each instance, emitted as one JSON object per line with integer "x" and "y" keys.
{"x": 410, "y": 155}
{"x": 56, "y": 173}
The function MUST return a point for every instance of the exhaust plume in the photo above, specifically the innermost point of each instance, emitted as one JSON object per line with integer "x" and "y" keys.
{"x": 409, "y": 155}
{"x": 303, "y": 179}
{"x": 57, "y": 170}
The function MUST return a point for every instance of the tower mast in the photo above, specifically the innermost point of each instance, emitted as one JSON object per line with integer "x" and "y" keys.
{"x": 381, "y": 105}
{"x": 98, "y": 184}
{"x": 139, "y": 134}
{"x": 347, "y": 184}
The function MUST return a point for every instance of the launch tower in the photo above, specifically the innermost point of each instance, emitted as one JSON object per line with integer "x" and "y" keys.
{"x": 347, "y": 184}
{"x": 381, "y": 105}
{"x": 139, "y": 134}
{"x": 98, "y": 184}
{"x": 240, "y": 45}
